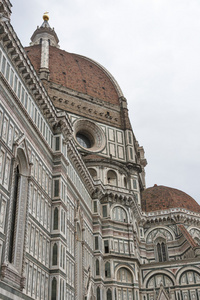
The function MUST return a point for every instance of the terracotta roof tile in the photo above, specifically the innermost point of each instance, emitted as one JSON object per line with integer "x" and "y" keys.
{"x": 162, "y": 197}
{"x": 77, "y": 73}
{"x": 34, "y": 56}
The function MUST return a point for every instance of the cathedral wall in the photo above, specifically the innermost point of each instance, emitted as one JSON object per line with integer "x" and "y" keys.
{"x": 20, "y": 119}
{"x": 71, "y": 223}
{"x": 118, "y": 145}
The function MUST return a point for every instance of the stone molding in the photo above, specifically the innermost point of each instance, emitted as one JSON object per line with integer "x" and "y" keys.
{"x": 5, "y": 8}
{"x": 50, "y": 32}
{"x": 18, "y": 56}
{"x": 78, "y": 163}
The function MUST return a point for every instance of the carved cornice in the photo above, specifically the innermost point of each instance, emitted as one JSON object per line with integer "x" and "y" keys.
{"x": 117, "y": 197}
{"x": 126, "y": 199}
{"x": 42, "y": 30}
{"x": 64, "y": 124}
{"x": 127, "y": 167}
{"x": 178, "y": 215}
{"x": 15, "y": 51}
{"x": 78, "y": 163}
{"x": 5, "y": 10}
{"x": 84, "y": 105}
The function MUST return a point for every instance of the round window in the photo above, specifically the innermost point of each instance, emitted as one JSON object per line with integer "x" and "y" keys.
{"x": 83, "y": 140}
{"x": 89, "y": 135}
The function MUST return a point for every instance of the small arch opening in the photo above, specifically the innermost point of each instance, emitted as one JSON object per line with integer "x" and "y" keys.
{"x": 98, "y": 293}
{"x": 161, "y": 248}
{"x": 124, "y": 275}
{"x": 93, "y": 173}
{"x": 119, "y": 214}
{"x": 107, "y": 270}
{"x": 112, "y": 177}
{"x": 109, "y": 294}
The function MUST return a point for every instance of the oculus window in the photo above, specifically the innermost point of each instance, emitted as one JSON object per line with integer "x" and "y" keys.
{"x": 83, "y": 140}
{"x": 89, "y": 136}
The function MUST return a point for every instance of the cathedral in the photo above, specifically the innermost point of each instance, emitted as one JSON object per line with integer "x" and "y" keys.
{"x": 77, "y": 221}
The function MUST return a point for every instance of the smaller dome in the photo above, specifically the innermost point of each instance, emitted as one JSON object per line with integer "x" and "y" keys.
{"x": 161, "y": 197}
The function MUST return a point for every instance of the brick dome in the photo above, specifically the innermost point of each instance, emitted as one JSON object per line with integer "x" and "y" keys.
{"x": 161, "y": 197}
{"x": 77, "y": 73}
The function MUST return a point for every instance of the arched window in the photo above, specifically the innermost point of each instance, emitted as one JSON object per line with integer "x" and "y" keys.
{"x": 112, "y": 178}
{"x": 53, "y": 289}
{"x": 124, "y": 275}
{"x": 55, "y": 254}
{"x": 93, "y": 173}
{"x": 79, "y": 266}
{"x": 156, "y": 280}
{"x": 64, "y": 223}
{"x": 62, "y": 220}
{"x": 190, "y": 277}
{"x": 161, "y": 251}
{"x": 109, "y": 294}
{"x": 107, "y": 270}
{"x": 83, "y": 140}
{"x": 98, "y": 293}
{"x": 106, "y": 246}
{"x": 97, "y": 267}
{"x": 13, "y": 219}
{"x": 119, "y": 214}
{"x": 125, "y": 182}
{"x": 19, "y": 203}
{"x": 136, "y": 295}
{"x": 61, "y": 255}
{"x": 164, "y": 254}
{"x": 55, "y": 219}
{"x": 166, "y": 234}
{"x": 125, "y": 284}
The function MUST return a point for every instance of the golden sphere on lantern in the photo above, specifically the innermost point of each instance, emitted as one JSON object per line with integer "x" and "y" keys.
{"x": 46, "y": 16}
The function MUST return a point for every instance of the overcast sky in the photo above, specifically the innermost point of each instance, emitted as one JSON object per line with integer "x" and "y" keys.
{"x": 152, "y": 48}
